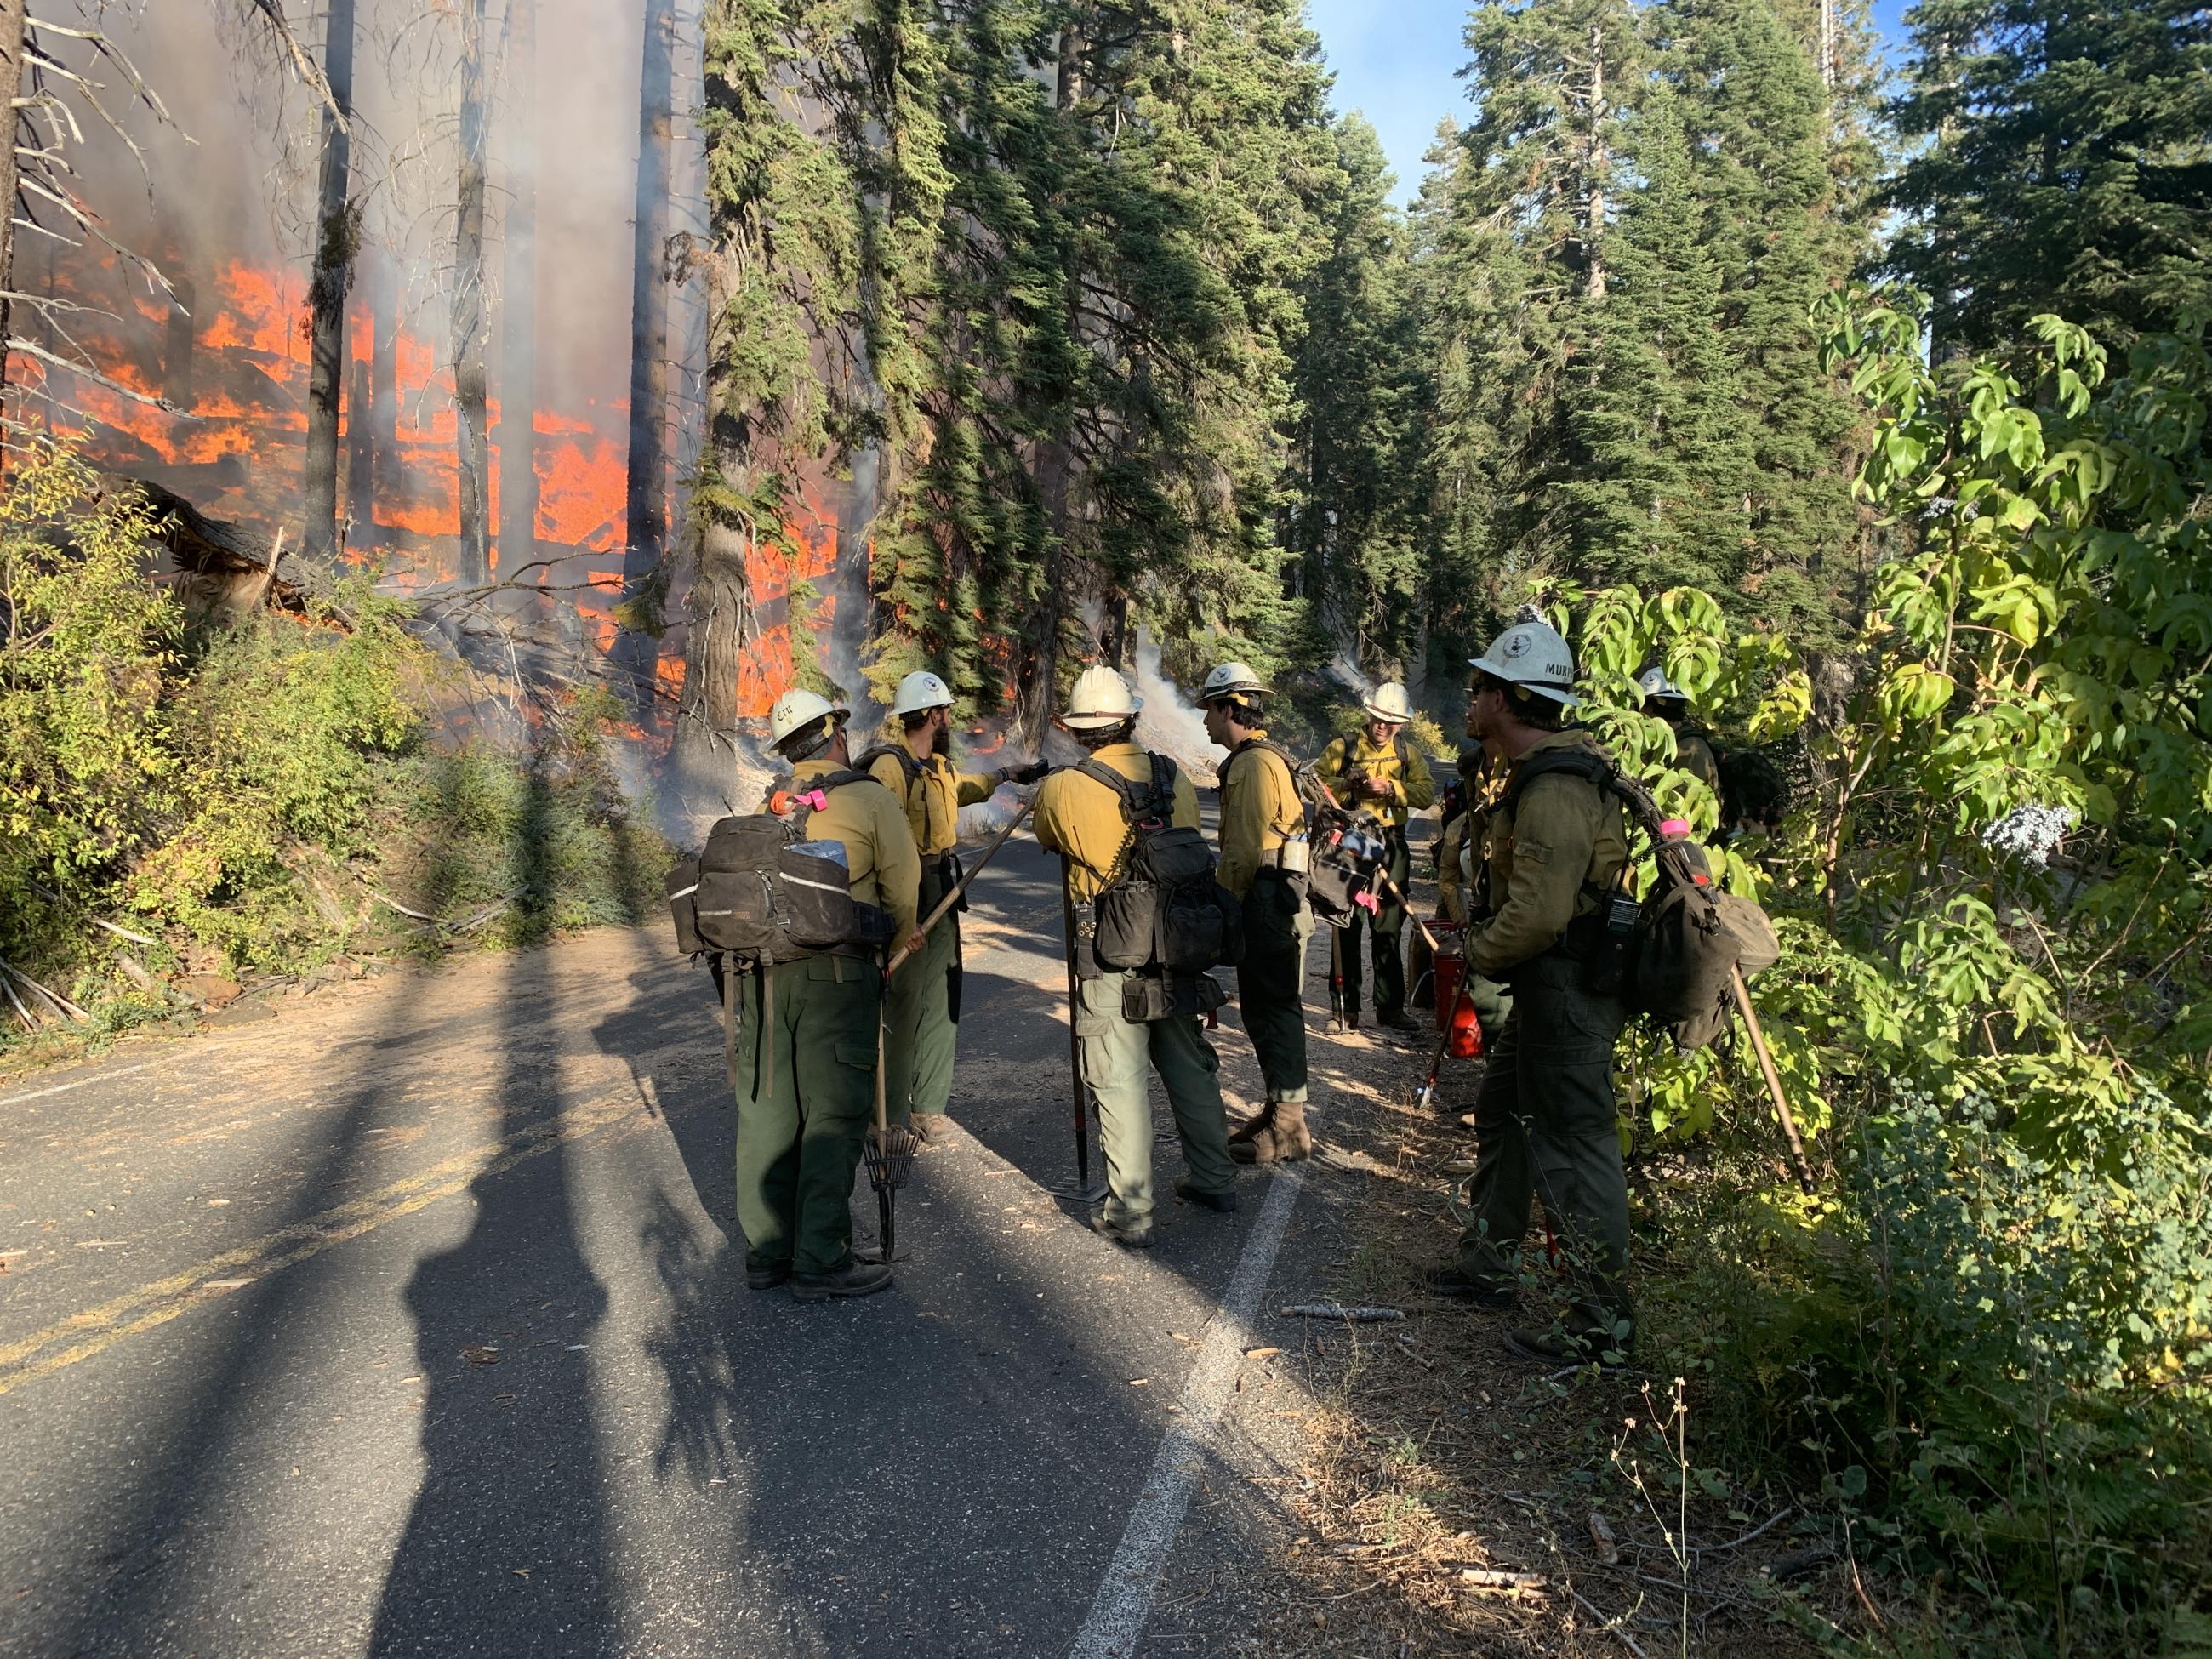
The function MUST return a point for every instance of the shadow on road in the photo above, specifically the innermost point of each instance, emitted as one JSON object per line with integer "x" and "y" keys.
{"x": 505, "y": 1544}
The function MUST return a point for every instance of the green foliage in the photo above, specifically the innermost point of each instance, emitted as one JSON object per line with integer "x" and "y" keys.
{"x": 2066, "y": 166}
{"x": 237, "y": 798}
{"x": 1994, "y": 1339}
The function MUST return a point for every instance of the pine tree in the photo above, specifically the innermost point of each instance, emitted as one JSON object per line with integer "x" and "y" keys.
{"x": 1657, "y": 501}
{"x": 1363, "y": 565}
{"x": 1752, "y": 92}
{"x": 1513, "y": 265}
{"x": 2068, "y": 167}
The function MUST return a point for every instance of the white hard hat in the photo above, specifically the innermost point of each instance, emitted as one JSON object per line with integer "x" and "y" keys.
{"x": 919, "y": 691}
{"x": 1101, "y": 698}
{"x": 1533, "y": 656}
{"x": 1655, "y": 683}
{"x": 1389, "y": 703}
{"x": 799, "y": 711}
{"x": 1231, "y": 679}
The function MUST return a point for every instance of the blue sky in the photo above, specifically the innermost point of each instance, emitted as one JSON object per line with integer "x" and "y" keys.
{"x": 1397, "y": 61}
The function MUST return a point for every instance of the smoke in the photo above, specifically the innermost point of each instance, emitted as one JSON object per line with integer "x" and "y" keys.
{"x": 1170, "y": 723}
{"x": 1345, "y": 672}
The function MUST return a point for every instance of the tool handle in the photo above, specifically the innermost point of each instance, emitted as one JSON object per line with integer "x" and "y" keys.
{"x": 1081, "y": 1107}
{"x": 1804, "y": 1168}
{"x": 945, "y": 904}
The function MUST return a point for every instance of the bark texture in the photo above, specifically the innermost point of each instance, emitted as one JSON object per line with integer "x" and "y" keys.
{"x": 468, "y": 306}
{"x": 337, "y": 233}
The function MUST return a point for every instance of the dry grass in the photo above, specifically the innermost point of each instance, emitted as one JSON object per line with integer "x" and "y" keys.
{"x": 1434, "y": 1450}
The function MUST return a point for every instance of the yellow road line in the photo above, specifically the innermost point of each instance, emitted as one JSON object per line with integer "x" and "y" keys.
{"x": 150, "y": 1305}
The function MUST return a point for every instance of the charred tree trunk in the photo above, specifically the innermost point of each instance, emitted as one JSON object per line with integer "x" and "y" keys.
{"x": 338, "y": 231}
{"x": 386, "y": 477}
{"x": 361, "y": 454}
{"x": 13, "y": 22}
{"x": 518, "y": 385}
{"x": 636, "y": 650}
{"x": 468, "y": 306}
{"x": 177, "y": 339}
{"x": 719, "y": 625}
{"x": 1055, "y": 463}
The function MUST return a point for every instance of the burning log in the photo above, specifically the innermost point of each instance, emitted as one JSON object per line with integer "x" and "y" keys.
{"x": 230, "y": 570}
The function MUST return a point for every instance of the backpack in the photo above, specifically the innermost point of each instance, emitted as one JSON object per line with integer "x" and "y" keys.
{"x": 1164, "y": 910}
{"x": 760, "y": 891}
{"x": 908, "y": 765}
{"x": 1349, "y": 849}
{"x": 1672, "y": 958}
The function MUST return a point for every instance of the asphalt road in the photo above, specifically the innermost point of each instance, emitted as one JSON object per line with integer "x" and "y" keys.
{"x": 410, "y": 1322}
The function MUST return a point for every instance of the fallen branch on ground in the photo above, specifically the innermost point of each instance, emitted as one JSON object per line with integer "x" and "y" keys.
{"x": 1337, "y": 1310}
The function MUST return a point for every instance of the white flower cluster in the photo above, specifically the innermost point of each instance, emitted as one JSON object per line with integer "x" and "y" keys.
{"x": 2032, "y": 833}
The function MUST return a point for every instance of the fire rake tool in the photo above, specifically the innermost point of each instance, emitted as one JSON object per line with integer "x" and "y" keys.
{"x": 889, "y": 1154}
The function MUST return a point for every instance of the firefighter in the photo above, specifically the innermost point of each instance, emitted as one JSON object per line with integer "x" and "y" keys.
{"x": 1546, "y": 1120}
{"x": 1693, "y": 751}
{"x": 922, "y": 1011}
{"x": 1378, "y": 770}
{"x": 807, "y": 1050}
{"x": 1263, "y": 844}
{"x": 1081, "y": 819}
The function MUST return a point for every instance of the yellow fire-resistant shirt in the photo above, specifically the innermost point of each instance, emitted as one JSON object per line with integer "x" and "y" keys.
{"x": 933, "y": 805}
{"x": 1564, "y": 832}
{"x": 1260, "y": 807}
{"x": 880, "y": 850}
{"x": 1412, "y": 788}
{"x": 1080, "y": 818}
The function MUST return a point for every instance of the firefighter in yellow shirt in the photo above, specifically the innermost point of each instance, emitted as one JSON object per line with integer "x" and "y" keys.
{"x": 1080, "y": 818}
{"x": 1263, "y": 862}
{"x": 1378, "y": 770}
{"x": 806, "y": 1051}
{"x": 922, "y": 1001}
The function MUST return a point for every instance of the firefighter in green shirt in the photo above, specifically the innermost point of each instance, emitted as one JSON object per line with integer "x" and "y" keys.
{"x": 1693, "y": 750}
{"x": 1080, "y": 818}
{"x": 1377, "y": 769}
{"x": 807, "y": 1048}
{"x": 1545, "y": 1122}
{"x": 922, "y": 1011}
{"x": 1263, "y": 846}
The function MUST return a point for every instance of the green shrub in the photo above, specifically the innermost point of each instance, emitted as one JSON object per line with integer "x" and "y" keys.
{"x": 243, "y": 795}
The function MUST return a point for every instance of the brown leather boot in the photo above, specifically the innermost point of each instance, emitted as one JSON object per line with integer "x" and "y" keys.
{"x": 1239, "y": 1139}
{"x": 1283, "y": 1136}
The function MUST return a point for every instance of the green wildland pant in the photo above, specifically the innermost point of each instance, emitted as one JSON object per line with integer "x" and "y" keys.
{"x": 1386, "y": 926}
{"x": 1546, "y": 1123}
{"x": 922, "y": 1015}
{"x": 806, "y": 1071}
{"x": 1114, "y": 1051}
{"x": 1271, "y": 983}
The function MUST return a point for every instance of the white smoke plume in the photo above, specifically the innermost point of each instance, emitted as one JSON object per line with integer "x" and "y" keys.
{"x": 1170, "y": 723}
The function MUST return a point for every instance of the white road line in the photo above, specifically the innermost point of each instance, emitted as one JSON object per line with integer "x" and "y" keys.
{"x": 1124, "y": 1601}
{"x": 82, "y": 1083}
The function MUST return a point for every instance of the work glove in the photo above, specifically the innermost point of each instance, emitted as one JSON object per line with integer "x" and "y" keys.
{"x": 1033, "y": 773}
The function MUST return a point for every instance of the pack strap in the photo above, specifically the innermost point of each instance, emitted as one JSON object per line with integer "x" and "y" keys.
{"x": 1598, "y": 771}
{"x": 897, "y": 751}
{"x": 827, "y": 785}
{"x": 1156, "y": 803}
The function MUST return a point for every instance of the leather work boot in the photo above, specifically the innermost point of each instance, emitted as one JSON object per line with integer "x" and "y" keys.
{"x": 1252, "y": 1126}
{"x": 1220, "y": 1203}
{"x": 767, "y": 1276}
{"x": 1279, "y": 1136}
{"x": 1130, "y": 1236}
{"x": 853, "y": 1278}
